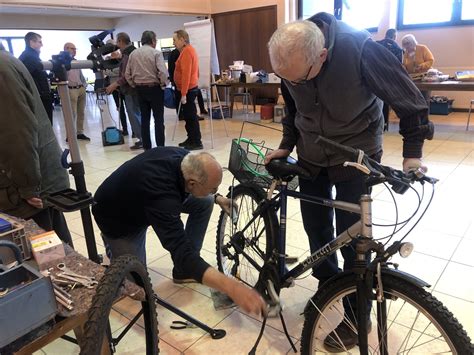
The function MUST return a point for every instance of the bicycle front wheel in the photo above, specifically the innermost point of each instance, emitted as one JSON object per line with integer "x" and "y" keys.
{"x": 257, "y": 241}
{"x": 416, "y": 322}
{"x": 95, "y": 328}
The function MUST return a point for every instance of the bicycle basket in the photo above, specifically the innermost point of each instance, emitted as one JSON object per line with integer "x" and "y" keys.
{"x": 246, "y": 163}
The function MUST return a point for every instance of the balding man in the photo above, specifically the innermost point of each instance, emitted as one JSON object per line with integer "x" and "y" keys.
{"x": 153, "y": 189}
{"x": 333, "y": 79}
{"x": 77, "y": 92}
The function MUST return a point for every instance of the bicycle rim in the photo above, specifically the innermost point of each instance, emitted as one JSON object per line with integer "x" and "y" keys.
{"x": 255, "y": 241}
{"x": 417, "y": 322}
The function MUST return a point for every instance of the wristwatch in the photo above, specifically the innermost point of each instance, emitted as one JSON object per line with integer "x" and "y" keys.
{"x": 216, "y": 195}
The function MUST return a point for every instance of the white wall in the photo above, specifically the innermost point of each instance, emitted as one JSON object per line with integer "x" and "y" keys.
{"x": 162, "y": 25}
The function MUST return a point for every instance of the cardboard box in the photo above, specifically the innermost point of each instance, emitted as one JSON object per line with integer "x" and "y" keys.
{"x": 47, "y": 247}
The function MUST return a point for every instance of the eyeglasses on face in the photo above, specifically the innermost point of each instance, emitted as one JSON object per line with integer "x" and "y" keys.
{"x": 299, "y": 82}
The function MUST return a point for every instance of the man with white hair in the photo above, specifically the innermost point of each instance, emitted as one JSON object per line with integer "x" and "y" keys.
{"x": 153, "y": 189}
{"x": 334, "y": 80}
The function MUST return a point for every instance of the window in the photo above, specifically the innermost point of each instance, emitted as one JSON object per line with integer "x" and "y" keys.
{"x": 357, "y": 13}
{"x": 309, "y": 8}
{"x": 433, "y": 13}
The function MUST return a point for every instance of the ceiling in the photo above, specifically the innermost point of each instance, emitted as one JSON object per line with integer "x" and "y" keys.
{"x": 50, "y": 11}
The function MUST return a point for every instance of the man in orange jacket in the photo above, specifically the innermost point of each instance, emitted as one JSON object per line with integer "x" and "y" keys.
{"x": 186, "y": 79}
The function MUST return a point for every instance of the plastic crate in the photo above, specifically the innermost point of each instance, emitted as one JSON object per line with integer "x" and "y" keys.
{"x": 216, "y": 112}
{"x": 16, "y": 235}
{"x": 441, "y": 108}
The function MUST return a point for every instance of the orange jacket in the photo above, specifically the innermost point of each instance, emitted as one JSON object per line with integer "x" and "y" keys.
{"x": 187, "y": 70}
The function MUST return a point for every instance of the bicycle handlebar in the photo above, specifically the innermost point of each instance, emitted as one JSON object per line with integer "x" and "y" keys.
{"x": 399, "y": 180}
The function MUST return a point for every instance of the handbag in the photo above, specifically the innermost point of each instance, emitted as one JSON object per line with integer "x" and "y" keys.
{"x": 169, "y": 97}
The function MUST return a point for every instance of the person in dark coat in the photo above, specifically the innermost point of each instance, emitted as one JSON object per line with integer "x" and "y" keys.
{"x": 389, "y": 43}
{"x": 30, "y": 156}
{"x": 30, "y": 58}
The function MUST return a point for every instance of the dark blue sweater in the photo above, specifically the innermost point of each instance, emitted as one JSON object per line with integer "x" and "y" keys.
{"x": 149, "y": 190}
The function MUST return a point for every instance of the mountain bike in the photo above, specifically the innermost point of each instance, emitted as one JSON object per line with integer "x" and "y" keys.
{"x": 390, "y": 311}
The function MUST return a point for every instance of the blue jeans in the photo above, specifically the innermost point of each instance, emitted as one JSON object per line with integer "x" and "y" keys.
{"x": 199, "y": 211}
{"x": 318, "y": 220}
{"x": 133, "y": 109}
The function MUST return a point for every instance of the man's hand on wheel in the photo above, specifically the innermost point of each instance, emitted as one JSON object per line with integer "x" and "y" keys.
{"x": 279, "y": 153}
{"x": 226, "y": 204}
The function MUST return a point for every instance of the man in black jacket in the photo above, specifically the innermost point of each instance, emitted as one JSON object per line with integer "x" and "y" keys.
{"x": 31, "y": 60}
{"x": 153, "y": 189}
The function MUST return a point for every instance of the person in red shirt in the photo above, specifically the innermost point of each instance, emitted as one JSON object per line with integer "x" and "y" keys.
{"x": 186, "y": 79}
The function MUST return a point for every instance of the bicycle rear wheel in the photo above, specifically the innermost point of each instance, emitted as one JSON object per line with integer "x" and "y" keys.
{"x": 416, "y": 321}
{"x": 107, "y": 291}
{"x": 257, "y": 241}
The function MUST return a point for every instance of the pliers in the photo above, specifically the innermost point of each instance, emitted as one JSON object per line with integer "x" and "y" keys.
{"x": 179, "y": 324}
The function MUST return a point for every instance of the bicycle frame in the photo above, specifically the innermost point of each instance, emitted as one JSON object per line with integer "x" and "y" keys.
{"x": 361, "y": 228}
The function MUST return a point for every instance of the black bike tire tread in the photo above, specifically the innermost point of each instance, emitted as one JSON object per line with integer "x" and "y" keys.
{"x": 426, "y": 300}
{"x": 102, "y": 302}
{"x": 259, "y": 193}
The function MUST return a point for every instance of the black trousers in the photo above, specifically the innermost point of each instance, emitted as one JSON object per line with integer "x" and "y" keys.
{"x": 386, "y": 112}
{"x": 151, "y": 99}
{"x": 202, "y": 108}
{"x": 47, "y": 101}
{"x": 190, "y": 115}
{"x": 120, "y": 104}
{"x": 50, "y": 219}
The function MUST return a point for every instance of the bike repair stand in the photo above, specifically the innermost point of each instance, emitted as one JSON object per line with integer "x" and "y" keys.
{"x": 70, "y": 200}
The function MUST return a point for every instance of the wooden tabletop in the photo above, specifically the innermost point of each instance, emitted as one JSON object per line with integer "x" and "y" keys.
{"x": 448, "y": 85}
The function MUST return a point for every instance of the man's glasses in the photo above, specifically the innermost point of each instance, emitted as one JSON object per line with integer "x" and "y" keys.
{"x": 299, "y": 82}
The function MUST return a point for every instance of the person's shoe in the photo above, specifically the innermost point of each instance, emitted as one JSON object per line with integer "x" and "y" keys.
{"x": 343, "y": 338}
{"x": 181, "y": 118}
{"x": 137, "y": 145}
{"x": 180, "y": 278}
{"x": 83, "y": 137}
{"x": 184, "y": 143}
{"x": 200, "y": 118}
{"x": 204, "y": 112}
{"x": 193, "y": 146}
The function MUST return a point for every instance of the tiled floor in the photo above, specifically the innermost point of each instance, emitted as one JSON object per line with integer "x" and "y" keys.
{"x": 443, "y": 240}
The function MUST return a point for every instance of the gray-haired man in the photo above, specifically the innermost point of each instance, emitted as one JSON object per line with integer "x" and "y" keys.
{"x": 153, "y": 189}
{"x": 333, "y": 79}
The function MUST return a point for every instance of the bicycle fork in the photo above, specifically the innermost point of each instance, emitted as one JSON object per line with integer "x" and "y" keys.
{"x": 365, "y": 283}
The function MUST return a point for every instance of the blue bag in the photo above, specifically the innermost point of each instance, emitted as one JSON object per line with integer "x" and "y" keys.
{"x": 169, "y": 98}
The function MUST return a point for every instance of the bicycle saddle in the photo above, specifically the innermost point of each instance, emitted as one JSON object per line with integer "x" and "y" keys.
{"x": 286, "y": 168}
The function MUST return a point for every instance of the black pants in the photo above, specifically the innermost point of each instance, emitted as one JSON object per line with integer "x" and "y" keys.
{"x": 190, "y": 115}
{"x": 47, "y": 101}
{"x": 202, "y": 108}
{"x": 50, "y": 219}
{"x": 386, "y": 112}
{"x": 120, "y": 104}
{"x": 151, "y": 99}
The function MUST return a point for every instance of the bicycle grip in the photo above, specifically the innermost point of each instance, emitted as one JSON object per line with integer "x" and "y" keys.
{"x": 348, "y": 152}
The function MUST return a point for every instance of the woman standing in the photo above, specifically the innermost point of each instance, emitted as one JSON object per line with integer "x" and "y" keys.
{"x": 186, "y": 79}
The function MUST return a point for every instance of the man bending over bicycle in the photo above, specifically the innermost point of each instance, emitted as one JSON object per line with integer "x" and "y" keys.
{"x": 334, "y": 81}
{"x": 153, "y": 189}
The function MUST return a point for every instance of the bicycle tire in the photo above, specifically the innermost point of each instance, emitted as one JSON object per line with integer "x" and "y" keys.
{"x": 406, "y": 321}
{"x": 229, "y": 260}
{"x": 107, "y": 290}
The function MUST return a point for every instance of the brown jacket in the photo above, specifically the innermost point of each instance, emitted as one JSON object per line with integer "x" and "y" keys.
{"x": 30, "y": 156}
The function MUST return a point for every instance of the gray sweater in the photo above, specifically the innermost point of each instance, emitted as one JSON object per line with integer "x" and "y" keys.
{"x": 30, "y": 155}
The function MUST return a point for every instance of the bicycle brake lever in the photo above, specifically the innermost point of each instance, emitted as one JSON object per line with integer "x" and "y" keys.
{"x": 358, "y": 166}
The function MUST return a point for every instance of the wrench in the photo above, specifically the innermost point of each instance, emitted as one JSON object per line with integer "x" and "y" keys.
{"x": 66, "y": 271}
{"x": 86, "y": 283}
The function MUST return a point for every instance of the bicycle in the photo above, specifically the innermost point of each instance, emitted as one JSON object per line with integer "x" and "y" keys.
{"x": 251, "y": 247}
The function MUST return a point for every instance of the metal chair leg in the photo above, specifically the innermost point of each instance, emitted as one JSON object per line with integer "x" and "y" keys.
{"x": 469, "y": 115}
